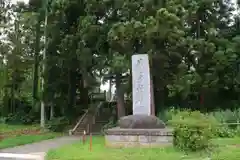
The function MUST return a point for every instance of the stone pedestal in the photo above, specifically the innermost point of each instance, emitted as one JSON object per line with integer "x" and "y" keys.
{"x": 122, "y": 138}
{"x": 142, "y": 129}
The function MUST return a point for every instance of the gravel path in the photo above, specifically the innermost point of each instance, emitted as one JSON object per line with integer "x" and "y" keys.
{"x": 36, "y": 149}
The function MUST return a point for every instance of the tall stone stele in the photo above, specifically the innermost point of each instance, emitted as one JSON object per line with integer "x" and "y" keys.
{"x": 142, "y": 129}
{"x": 142, "y": 117}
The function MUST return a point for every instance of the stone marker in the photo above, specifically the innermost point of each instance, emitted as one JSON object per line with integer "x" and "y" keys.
{"x": 140, "y": 122}
{"x": 141, "y": 85}
{"x": 140, "y": 129}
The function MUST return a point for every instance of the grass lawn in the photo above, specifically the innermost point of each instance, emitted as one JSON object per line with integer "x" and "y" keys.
{"x": 78, "y": 151}
{"x": 10, "y": 128}
{"x": 25, "y": 139}
{"x": 223, "y": 142}
{"x": 12, "y": 135}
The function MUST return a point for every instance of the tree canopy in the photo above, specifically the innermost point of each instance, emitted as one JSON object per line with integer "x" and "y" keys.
{"x": 192, "y": 45}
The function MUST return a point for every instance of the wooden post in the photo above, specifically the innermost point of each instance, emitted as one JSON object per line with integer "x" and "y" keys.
{"x": 84, "y": 137}
{"x": 90, "y": 143}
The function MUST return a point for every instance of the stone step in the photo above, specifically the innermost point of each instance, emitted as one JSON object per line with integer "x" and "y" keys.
{"x": 78, "y": 133}
{"x": 80, "y": 130}
{"x": 81, "y": 126}
{"x": 101, "y": 122}
{"x": 97, "y": 128}
{"x": 104, "y": 115}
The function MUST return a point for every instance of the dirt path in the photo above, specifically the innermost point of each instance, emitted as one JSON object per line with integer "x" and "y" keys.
{"x": 39, "y": 149}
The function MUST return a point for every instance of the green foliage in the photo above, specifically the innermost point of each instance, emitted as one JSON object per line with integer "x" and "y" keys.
{"x": 20, "y": 118}
{"x": 2, "y": 120}
{"x": 57, "y": 124}
{"x": 228, "y": 120}
{"x": 237, "y": 131}
{"x": 21, "y": 113}
{"x": 223, "y": 119}
{"x": 167, "y": 114}
{"x": 193, "y": 49}
{"x": 192, "y": 130}
{"x": 224, "y": 131}
{"x": 227, "y": 116}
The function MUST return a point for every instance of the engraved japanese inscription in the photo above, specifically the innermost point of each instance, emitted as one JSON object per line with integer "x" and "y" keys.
{"x": 141, "y": 84}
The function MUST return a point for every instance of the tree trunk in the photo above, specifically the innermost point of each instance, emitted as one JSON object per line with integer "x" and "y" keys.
{"x": 120, "y": 97}
{"x": 12, "y": 100}
{"x": 84, "y": 93}
{"x": 152, "y": 98}
{"x": 51, "y": 112}
{"x": 5, "y": 109}
{"x": 43, "y": 68}
{"x": 36, "y": 63}
{"x": 71, "y": 94}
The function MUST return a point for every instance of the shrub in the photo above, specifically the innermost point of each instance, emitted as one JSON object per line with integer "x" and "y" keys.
{"x": 227, "y": 116}
{"x": 224, "y": 132}
{"x": 2, "y": 120}
{"x": 237, "y": 131}
{"x": 20, "y": 118}
{"x": 168, "y": 114}
{"x": 57, "y": 124}
{"x": 192, "y": 130}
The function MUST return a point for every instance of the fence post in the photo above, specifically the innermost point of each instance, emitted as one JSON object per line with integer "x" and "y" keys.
{"x": 238, "y": 124}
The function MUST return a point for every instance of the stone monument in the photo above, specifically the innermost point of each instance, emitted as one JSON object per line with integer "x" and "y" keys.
{"x": 141, "y": 85}
{"x": 140, "y": 129}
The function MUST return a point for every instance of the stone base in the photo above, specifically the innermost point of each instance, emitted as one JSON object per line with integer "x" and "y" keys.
{"x": 120, "y": 138}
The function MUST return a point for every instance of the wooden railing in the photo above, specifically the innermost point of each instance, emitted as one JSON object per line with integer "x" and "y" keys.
{"x": 96, "y": 112}
{"x": 78, "y": 123}
{"x": 229, "y": 124}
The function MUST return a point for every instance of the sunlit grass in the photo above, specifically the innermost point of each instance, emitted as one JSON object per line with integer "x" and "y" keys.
{"x": 80, "y": 151}
{"x": 15, "y": 135}
{"x": 9, "y": 128}
{"x": 25, "y": 139}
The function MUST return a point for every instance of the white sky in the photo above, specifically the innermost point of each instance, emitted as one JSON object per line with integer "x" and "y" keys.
{"x": 26, "y": 1}
{"x": 14, "y": 1}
